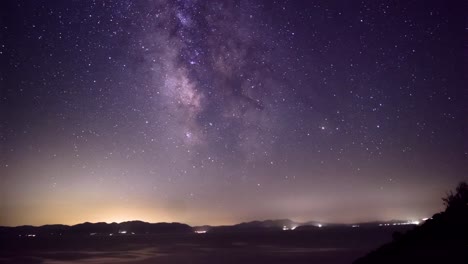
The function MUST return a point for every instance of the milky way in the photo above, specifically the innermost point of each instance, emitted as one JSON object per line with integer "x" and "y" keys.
{"x": 215, "y": 112}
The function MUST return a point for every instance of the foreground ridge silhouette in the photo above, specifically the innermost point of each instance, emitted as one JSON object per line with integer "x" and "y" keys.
{"x": 441, "y": 239}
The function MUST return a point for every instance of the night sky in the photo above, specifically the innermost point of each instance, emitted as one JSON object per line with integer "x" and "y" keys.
{"x": 217, "y": 112}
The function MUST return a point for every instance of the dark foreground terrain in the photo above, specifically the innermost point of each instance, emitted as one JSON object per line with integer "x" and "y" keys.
{"x": 441, "y": 239}
{"x": 324, "y": 245}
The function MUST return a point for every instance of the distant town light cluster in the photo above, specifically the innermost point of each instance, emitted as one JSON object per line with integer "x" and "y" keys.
{"x": 415, "y": 222}
{"x": 28, "y": 235}
{"x": 120, "y": 232}
{"x": 285, "y": 228}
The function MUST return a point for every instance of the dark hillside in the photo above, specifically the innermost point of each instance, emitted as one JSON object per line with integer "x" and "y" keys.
{"x": 441, "y": 239}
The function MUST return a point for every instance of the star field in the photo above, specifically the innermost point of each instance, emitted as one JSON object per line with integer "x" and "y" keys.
{"x": 215, "y": 112}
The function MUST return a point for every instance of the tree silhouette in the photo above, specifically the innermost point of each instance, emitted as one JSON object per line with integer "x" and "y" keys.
{"x": 459, "y": 199}
{"x": 441, "y": 239}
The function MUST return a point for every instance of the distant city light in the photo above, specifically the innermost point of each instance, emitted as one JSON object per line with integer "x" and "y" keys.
{"x": 200, "y": 231}
{"x": 289, "y": 228}
{"x": 414, "y": 222}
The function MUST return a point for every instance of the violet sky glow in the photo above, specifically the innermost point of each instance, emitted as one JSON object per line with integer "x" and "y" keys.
{"x": 216, "y": 112}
